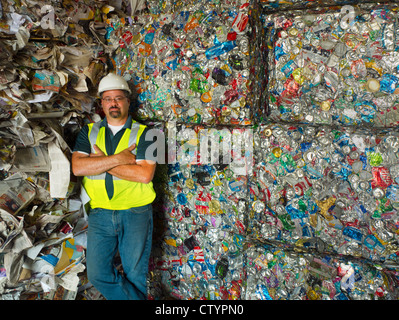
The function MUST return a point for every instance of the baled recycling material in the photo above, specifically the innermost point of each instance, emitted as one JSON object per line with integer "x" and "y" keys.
{"x": 280, "y": 179}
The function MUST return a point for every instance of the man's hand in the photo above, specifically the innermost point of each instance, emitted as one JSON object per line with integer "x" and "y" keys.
{"x": 98, "y": 152}
{"x": 124, "y": 157}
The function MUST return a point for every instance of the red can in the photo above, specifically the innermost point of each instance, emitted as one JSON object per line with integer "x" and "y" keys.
{"x": 381, "y": 177}
{"x": 126, "y": 39}
{"x": 240, "y": 22}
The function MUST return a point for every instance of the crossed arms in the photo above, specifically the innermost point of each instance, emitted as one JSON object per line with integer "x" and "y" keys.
{"x": 122, "y": 165}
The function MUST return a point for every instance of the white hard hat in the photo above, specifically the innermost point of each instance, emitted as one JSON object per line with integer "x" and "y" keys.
{"x": 113, "y": 82}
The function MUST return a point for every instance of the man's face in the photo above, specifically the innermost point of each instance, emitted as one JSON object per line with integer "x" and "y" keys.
{"x": 115, "y": 106}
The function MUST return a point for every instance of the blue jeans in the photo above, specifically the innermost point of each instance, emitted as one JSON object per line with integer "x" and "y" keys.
{"x": 130, "y": 232}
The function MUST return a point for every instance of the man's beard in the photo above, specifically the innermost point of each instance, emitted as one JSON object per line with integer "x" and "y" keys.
{"x": 115, "y": 113}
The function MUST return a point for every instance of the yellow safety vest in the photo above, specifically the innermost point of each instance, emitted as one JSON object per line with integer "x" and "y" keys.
{"x": 127, "y": 194}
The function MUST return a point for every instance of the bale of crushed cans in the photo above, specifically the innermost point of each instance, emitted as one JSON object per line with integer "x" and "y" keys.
{"x": 330, "y": 189}
{"x": 275, "y": 273}
{"x": 334, "y": 65}
{"x": 203, "y": 214}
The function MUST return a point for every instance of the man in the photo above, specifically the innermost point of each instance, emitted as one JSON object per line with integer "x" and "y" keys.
{"x": 119, "y": 184}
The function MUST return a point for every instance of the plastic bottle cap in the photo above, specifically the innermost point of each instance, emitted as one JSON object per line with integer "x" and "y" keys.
{"x": 268, "y": 132}
{"x": 206, "y": 97}
{"x": 277, "y": 152}
{"x": 373, "y": 85}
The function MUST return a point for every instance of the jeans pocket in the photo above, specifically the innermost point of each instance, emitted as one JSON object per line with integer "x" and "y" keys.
{"x": 95, "y": 211}
{"x": 140, "y": 210}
